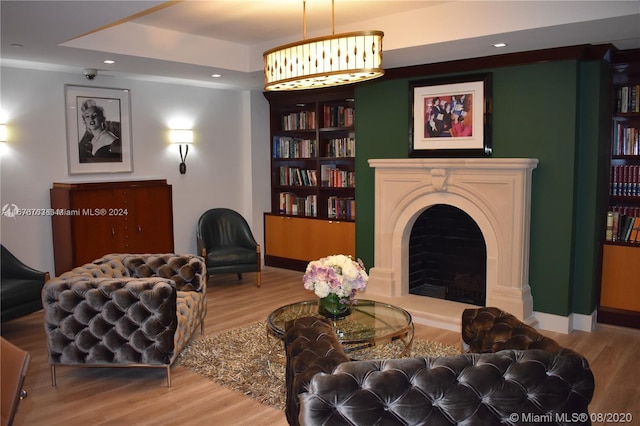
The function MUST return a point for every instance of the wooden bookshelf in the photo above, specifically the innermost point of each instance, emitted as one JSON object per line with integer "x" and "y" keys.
{"x": 313, "y": 148}
{"x": 620, "y": 273}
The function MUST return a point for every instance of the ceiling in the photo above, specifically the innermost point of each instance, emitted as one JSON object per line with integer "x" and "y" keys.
{"x": 188, "y": 41}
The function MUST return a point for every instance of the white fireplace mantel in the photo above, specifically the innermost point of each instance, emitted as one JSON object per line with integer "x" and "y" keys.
{"x": 494, "y": 192}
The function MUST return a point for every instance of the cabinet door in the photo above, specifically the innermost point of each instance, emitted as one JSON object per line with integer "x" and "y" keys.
{"x": 307, "y": 239}
{"x": 286, "y": 237}
{"x": 328, "y": 237}
{"x": 94, "y": 232}
{"x": 620, "y": 277}
{"x": 150, "y": 220}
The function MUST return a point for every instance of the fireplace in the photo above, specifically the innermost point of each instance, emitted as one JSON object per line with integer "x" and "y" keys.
{"x": 447, "y": 256}
{"x": 494, "y": 192}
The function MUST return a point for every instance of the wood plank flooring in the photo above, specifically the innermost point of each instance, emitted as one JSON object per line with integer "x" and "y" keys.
{"x": 125, "y": 396}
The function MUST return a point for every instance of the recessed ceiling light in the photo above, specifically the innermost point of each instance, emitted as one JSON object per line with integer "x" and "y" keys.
{"x": 500, "y": 45}
{"x": 109, "y": 61}
{"x": 216, "y": 75}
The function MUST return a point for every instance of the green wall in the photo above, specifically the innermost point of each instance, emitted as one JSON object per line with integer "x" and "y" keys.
{"x": 591, "y": 182}
{"x": 538, "y": 113}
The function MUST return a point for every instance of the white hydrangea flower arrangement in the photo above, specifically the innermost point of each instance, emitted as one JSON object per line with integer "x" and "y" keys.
{"x": 337, "y": 274}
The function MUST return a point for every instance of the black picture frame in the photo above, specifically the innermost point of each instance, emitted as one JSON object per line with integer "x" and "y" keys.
{"x": 451, "y": 116}
{"x": 110, "y": 149}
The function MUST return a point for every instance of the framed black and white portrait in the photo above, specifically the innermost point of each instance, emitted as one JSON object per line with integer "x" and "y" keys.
{"x": 98, "y": 130}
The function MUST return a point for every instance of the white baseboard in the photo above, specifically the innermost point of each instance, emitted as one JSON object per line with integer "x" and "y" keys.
{"x": 566, "y": 325}
{"x": 583, "y": 322}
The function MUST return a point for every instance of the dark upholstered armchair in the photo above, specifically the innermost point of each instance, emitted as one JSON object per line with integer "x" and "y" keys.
{"x": 227, "y": 244}
{"x": 20, "y": 287}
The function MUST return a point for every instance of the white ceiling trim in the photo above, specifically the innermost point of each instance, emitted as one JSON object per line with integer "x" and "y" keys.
{"x": 435, "y": 24}
{"x": 157, "y": 43}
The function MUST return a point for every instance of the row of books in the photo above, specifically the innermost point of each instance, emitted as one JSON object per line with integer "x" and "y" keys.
{"x": 286, "y": 147}
{"x": 291, "y": 204}
{"x": 341, "y": 147}
{"x": 623, "y": 228}
{"x": 628, "y": 98}
{"x": 337, "y": 178}
{"x": 625, "y": 180}
{"x": 338, "y": 116}
{"x": 341, "y": 208}
{"x": 295, "y": 176}
{"x": 301, "y": 120}
{"x": 626, "y": 140}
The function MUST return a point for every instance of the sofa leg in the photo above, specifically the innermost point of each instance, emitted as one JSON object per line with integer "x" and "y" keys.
{"x": 53, "y": 375}
{"x": 259, "y": 278}
{"x": 239, "y": 276}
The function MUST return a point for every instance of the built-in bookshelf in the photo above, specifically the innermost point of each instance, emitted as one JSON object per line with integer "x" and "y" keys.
{"x": 313, "y": 149}
{"x": 623, "y": 215}
{"x": 620, "y": 274}
{"x": 312, "y": 159}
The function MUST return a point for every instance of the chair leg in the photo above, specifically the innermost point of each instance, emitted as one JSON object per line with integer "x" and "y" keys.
{"x": 259, "y": 265}
{"x": 53, "y": 375}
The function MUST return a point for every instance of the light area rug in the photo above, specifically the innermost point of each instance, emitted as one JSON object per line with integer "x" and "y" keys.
{"x": 251, "y": 362}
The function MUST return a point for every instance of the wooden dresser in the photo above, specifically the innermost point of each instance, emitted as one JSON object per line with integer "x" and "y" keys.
{"x": 94, "y": 219}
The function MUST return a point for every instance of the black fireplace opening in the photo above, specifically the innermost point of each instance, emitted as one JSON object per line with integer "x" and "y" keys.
{"x": 448, "y": 256}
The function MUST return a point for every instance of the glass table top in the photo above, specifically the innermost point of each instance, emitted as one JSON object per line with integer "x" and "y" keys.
{"x": 370, "y": 323}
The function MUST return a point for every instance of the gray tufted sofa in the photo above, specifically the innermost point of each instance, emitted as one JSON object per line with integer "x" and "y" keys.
{"x": 125, "y": 310}
{"x": 510, "y": 387}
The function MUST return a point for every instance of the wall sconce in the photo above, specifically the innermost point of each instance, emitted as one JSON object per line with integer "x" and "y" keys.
{"x": 182, "y": 136}
{"x": 3, "y": 132}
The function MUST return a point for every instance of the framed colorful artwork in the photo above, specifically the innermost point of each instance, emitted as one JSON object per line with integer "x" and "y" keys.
{"x": 450, "y": 117}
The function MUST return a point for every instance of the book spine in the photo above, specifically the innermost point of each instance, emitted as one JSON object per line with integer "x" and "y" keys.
{"x": 635, "y": 233}
{"x": 609, "y": 234}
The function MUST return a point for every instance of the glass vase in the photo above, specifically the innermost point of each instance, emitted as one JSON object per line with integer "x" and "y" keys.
{"x": 331, "y": 307}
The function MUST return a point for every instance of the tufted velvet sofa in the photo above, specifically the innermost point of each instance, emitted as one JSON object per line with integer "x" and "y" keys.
{"x": 125, "y": 310}
{"x": 510, "y": 386}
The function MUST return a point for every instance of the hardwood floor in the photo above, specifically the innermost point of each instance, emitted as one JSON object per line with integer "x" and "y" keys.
{"x": 125, "y": 396}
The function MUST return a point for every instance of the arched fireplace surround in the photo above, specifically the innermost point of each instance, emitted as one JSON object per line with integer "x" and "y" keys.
{"x": 494, "y": 192}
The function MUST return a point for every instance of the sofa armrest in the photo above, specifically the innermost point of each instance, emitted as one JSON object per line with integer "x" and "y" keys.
{"x": 463, "y": 389}
{"x": 311, "y": 347}
{"x": 110, "y": 320}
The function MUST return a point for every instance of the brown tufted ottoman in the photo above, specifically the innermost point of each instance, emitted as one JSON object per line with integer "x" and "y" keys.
{"x": 490, "y": 329}
{"x": 125, "y": 310}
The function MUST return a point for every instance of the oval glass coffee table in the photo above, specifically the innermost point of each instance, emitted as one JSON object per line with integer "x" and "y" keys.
{"x": 370, "y": 324}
